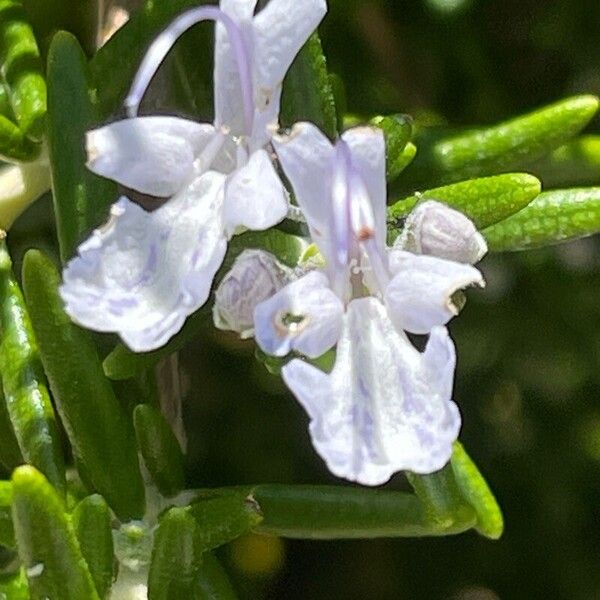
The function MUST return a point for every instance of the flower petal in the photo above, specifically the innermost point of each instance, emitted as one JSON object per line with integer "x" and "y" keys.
{"x": 144, "y": 273}
{"x": 385, "y": 407}
{"x": 419, "y": 296}
{"x": 153, "y": 155}
{"x": 280, "y": 30}
{"x": 305, "y": 316}
{"x": 229, "y": 104}
{"x": 306, "y": 157}
{"x": 254, "y": 195}
{"x": 367, "y": 148}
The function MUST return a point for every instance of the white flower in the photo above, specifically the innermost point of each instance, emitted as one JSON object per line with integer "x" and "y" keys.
{"x": 385, "y": 406}
{"x": 144, "y": 273}
{"x": 255, "y": 276}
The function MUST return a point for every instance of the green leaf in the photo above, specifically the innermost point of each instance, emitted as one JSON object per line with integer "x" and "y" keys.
{"x": 222, "y": 516}
{"x": 212, "y": 582}
{"x": 307, "y": 92}
{"x": 22, "y": 69}
{"x": 15, "y": 587}
{"x": 575, "y": 163}
{"x": 328, "y": 512}
{"x": 406, "y": 158}
{"x": 485, "y": 201}
{"x": 7, "y": 532}
{"x": 174, "y": 557}
{"x": 5, "y": 107}
{"x": 553, "y": 217}
{"x": 92, "y": 523}
{"x": 10, "y": 453}
{"x": 14, "y": 145}
{"x": 508, "y": 146}
{"x": 81, "y": 199}
{"x": 475, "y": 490}
{"x": 441, "y": 497}
{"x": 398, "y": 131}
{"x": 23, "y": 381}
{"x": 46, "y": 541}
{"x": 99, "y": 429}
{"x": 286, "y": 247}
{"x": 160, "y": 450}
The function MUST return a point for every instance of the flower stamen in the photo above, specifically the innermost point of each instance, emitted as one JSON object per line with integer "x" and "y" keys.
{"x": 165, "y": 41}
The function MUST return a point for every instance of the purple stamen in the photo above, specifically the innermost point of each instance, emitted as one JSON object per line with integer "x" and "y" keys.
{"x": 165, "y": 41}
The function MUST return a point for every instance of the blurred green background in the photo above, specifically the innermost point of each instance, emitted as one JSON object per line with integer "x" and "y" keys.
{"x": 528, "y": 377}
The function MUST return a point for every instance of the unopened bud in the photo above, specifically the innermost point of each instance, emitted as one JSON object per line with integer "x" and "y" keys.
{"x": 255, "y": 276}
{"x": 435, "y": 229}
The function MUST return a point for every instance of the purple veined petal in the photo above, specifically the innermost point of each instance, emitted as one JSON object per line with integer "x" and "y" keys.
{"x": 154, "y": 155}
{"x": 229, "y": 91}
{"x": 367, "y": 150}
{"x": 385, "y": 407}
{"x": 306, "y": 156}
{"x": 143, "y": 273}
{"x": 254, "y": 196}
{"x": 279, "y": 31}
{"x": 419, "y": 296}
{"x": 305, "y": 316}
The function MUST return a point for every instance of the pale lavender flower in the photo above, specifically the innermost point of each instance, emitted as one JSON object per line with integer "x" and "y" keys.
{"x": 143, "y": 273}
{"x": 385, "y": 406}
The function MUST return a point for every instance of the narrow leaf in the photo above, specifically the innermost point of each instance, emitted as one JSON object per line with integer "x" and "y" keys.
{"x": 81, "y": 199}
{"x": 160, "y": 450}
{"x": 508, "y": 146}
{"x": 553, "y": 217}
{"x": 212, "y": 582}
{"x": 174, "y": 557}
{"x": 10, "y": 453}
{"x": 7, "y": 532}
{"x": 23, "y": 381}
{"x": 327, "y": 512}
{"x": 307, "y": 91}
{"x": 22, "y": 69}
{"x": 441, "y": 497}
{"x": 14, "y": 145}
{"x": 46, "y": 541}
{"x": 222, "y": 516}
{"x": 575, "y": 163}
{"x": 475, "y": 490}
{"x": 92, "y": 524}
{"x": 485, "y": 201}
{"x": 398, "y": 131}
{"x": 99, "y": 429}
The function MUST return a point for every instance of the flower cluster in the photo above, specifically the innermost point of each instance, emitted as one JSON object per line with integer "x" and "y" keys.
{"x": 385, "y": 406}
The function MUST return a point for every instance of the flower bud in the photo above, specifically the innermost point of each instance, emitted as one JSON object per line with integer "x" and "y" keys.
{"x": 435, "y": 229}
{"x": 256, "y": 275}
